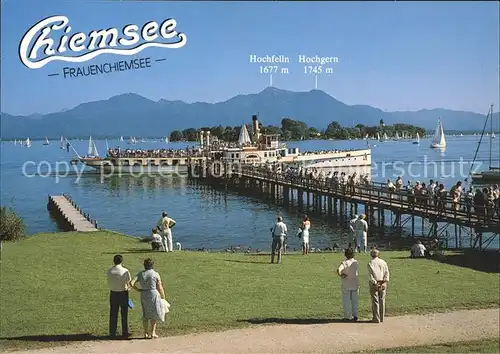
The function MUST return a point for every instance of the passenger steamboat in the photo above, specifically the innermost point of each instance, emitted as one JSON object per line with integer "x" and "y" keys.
{"x": 256, "y": 150}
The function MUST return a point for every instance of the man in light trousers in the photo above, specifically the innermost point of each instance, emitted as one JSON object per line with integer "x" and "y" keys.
{"x": 378, "y": 275}
{"x": 279, "y": 233}
{"x": 166, "y": 225}
{"x": 348, "y": 271}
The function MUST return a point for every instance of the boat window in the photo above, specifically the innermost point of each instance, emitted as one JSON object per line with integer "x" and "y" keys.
{"x": 152, "y": 163}
{"x": 137, "y": 163}
{"x": 238, "y": 155}
{"x": 232, "y": 156}
{"x": 175, "y": 162}
{"x": 125, "y": 163}
{"x": 265, "y": 154}
{"x": 163, "y": 163}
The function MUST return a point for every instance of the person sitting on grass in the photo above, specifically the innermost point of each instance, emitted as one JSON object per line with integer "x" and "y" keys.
{"x": 418, "y": 250}
{"x": 156, "y": 244}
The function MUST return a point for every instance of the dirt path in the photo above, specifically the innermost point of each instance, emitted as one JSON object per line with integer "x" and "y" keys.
{"x": 399, "y": 331}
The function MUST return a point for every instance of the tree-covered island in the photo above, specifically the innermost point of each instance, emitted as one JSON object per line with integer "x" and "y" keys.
{"x": 297, "y": 130}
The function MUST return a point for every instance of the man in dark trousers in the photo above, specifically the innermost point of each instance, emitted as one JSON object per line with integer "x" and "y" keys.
{"x": 118, "y": 282}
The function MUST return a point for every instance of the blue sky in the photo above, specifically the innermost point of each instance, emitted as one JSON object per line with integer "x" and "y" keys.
{"x": 392, "y": 55}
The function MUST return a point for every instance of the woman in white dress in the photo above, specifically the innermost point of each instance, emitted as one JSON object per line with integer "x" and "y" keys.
{"x": 306, "y": 225}
{"x": 152, "y": 294}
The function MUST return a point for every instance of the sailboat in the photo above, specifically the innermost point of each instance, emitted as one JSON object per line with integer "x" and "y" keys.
{"x": 492, "y": 175}
{"x": 61, "y": 144}
{"x": 27, "y": 143}
{"x": 244, "y": 138}
{"x": 378, "y": 137}
{"x": 132, "y": 140}
{"x": 166, "y": 140}
{"x": 493, "y": 136}
{"x": 438, "y": 140}
{"x": 386, "y": 137}
{"x": 92, "y": 149}
{"x": 46, "y": 141}
{"x": 396, "y": 137}
{"x": 417, "y": 141}
{"x": 121, "y": 138}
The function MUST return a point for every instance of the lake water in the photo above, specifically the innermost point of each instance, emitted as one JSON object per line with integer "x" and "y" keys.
{"x": 206, "y": 218}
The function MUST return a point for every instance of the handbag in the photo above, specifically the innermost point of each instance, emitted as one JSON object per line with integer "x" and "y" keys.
{"x": 165, "y": 305}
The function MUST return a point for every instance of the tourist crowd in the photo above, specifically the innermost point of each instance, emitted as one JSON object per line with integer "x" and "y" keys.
{"x": 484, "y": 202}
{"x": 154, "y": 153}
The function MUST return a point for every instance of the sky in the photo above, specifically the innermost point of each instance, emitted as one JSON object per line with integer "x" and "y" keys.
{"x": 391, "y": 55}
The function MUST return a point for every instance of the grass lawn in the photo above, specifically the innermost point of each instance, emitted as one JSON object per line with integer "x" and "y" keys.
{"x": 480, "y": 346}
{"x": 55, "y": 285}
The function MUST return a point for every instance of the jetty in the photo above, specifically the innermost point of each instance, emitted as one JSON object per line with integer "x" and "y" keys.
{"x": 69, "y": 214}
{"x": 444, "y": 221}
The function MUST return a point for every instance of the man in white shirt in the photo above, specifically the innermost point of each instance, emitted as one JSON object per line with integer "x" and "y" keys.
{"x": 352, "y": 227}
{"x": 118, "y": 282}
{"x": 362, "y": 233}
{"x": 348, "y": 271}
{"x": 279, "y": 233}
{"x": 159, "y": 227}
{"x": 167, "y": 224}
{"x": 418, "y": 250}
{"x": 378, "y": 275}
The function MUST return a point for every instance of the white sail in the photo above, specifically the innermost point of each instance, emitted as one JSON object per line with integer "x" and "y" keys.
{"x": 121, "y": 138}
{"x": 46, "y": 141}
{"x": 27, "y": 143}
{"x": 418, "y": 138}
{"x": 493, "y": 136}
{"x": 438, "y": 140}
{"x": 244, "y": 137}
{"x": 61, "y": 144}
{"x": 92, "y": 149}
{"x": 166, "y": 140}
{"x": 396, "y": 136}
{"x": 385, "y": 136}
{"x": 132, "y": 141}
{"x": 378, "y": 136}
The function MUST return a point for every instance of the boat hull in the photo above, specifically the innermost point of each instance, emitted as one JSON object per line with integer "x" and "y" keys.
{"x": 438, "y": 146}
{"x": 486, "y": 177}
{"x": 106, "y": 167}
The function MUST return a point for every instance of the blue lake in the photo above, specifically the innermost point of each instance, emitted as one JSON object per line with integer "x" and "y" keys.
{"x": 205, "y": 217}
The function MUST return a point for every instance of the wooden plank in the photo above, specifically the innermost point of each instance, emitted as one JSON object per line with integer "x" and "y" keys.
{"x": 72, "y": 215}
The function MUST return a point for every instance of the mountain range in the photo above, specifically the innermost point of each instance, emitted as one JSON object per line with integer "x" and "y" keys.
{"x": 131, "y": 114}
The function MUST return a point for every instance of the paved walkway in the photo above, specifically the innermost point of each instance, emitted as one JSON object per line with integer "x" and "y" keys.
{"x": 401, "y": 331}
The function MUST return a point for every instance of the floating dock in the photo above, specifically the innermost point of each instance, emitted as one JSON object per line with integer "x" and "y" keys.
{"x": 67, "y": 213}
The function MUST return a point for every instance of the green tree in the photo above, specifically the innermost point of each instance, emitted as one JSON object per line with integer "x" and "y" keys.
{"x": 190, "y": 134}
{"x": 176, "y": 135}
{"x": 11, "y": 225}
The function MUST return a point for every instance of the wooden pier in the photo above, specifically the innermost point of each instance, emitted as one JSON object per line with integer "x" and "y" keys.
{"x": 382, "y": 207}
{"x": 67, "y": 213}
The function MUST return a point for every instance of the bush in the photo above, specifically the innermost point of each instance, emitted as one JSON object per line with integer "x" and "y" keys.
{"x": 11, "y": 225}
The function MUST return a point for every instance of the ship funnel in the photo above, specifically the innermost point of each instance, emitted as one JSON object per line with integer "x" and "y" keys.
{"x": 256, "y": 130}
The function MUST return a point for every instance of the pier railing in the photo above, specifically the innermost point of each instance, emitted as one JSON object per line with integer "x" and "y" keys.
{"x": 374, "y": 193}
{"x": 85, "y": 215}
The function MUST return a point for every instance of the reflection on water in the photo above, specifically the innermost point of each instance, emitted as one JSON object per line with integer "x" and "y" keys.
{"x": 207, "y": 217}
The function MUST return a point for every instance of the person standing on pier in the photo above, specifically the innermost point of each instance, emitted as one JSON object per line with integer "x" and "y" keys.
{"x": 362, "y": 233}
{"x": 348, "y": 271}
{"x": 118, "y": 282}
{"x": 279, "y": 233}
{"x": 378, "y": 275}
